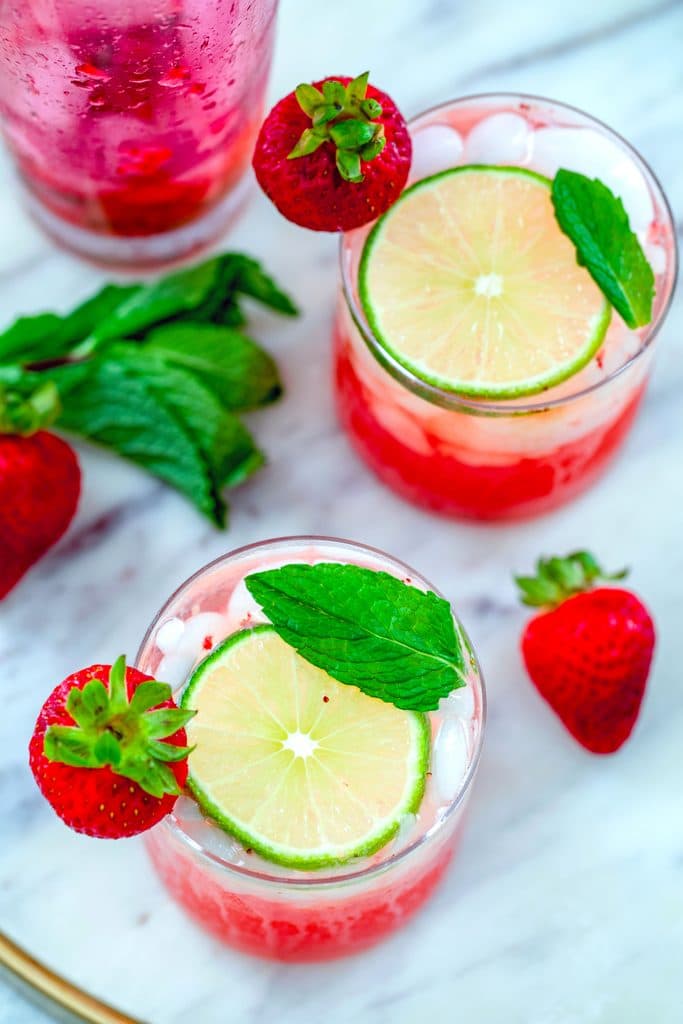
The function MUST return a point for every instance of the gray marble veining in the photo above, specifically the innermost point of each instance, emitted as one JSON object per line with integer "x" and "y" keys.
{"x": 565, "y": 905}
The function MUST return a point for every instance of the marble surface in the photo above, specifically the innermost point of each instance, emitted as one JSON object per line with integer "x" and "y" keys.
{"x": 566, "y": 902}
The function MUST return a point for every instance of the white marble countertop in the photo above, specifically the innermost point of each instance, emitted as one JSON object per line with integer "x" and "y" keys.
{"x": 565, "y": 904}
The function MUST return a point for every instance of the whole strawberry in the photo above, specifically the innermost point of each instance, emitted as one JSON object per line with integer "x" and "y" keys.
{"x": 108, "y": 751}
{"x": 333, "y": 155}
{"x": 589, "y": 653}
{"x": 40, "y": 482}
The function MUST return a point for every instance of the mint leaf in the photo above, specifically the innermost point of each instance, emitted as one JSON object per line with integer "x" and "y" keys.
{"x": 595, "y": 220}
{"x": 224, "y": 442}
{"x": 252, "y": 280}
{"x": 220, "y": 305}
{"x": 174, "y": 363}
{"x": 160, "y": 300}
{"x": 84, "y": 319}
{"x": 235, "y": 368}
{"x": 46, "y": 336}
{"x": 238, "y": 275}
{"x": 206, "y": 292}
{"x": 366, "y": 628}
{"x": 31, "y": 338}
{"x": 116, "y": 407}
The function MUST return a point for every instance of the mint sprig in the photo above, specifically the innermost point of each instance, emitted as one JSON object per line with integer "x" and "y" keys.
{"x": 156, "y": 371}
{"x": 125, "y": 735}
{"x": 367, "y": 629}
{"x": 595, "y": 220}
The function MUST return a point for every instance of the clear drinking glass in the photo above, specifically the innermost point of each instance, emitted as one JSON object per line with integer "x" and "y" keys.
{"x": 506, "y": 459}
{"x": 132, "y": 122}
{"x": 255, "y": 905}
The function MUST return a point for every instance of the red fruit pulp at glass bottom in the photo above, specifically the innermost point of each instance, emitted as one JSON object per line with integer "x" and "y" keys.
{"x": 446, "y": 485}
{"x": 287, "y": 930}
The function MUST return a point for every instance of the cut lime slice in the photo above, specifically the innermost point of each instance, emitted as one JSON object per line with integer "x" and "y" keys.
{"x": 305, "y": 770}
{"x": 468, "y": 281}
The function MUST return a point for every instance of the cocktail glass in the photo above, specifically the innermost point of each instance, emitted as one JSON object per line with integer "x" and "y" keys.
{"x": 255, "y": 905}
{"x": 489, "y": 460}
{"x": 132, "y": 122}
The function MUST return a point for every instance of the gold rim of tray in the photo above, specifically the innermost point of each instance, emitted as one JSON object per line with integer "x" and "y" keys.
{"x": 53, "y": 993}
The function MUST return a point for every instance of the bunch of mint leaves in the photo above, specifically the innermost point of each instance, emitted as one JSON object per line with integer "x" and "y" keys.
{"x": 158, "y": 372}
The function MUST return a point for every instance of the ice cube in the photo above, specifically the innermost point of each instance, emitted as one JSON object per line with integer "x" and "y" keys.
{"x": 435, "y": 148}
{"x": 205, "y": 832}
{"x": 459, "y": 704}
{"x": 587, "y": 151}
{"x": 174, "y": 669}
{"x": 242, "y": 610}
{"x": 407, "y": 831}
{"x": 450, "y": 758}
{"x": 168, "y": 635}
{"x": 202, "y": 632}
{"x": 219, "y": 843}
{"x": 402, "y": 426}
{"x": 656, "y": 254}
{"x": 499, "y": 139}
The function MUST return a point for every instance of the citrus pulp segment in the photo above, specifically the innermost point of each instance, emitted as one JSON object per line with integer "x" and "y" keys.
{"x": 469, "y": 283}
{"x": 303, "y": 769}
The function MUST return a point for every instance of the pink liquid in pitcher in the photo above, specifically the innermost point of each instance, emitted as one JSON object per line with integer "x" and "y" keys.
{"x": 133, "y": 118}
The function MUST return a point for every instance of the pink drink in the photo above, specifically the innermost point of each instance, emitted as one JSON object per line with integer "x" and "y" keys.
{"x": 132, "y": 122}
{"x": 508, "y": 459}
{"x": 260, "y": 907}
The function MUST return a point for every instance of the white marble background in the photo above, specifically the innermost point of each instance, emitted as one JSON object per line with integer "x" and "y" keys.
{"x": 566, "y": 903}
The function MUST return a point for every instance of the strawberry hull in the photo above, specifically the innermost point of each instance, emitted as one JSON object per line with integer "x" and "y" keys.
{"x": 94, "y": 799}
{"x": 309, "y": 190}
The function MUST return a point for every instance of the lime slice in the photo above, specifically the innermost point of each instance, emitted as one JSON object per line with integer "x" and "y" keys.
{"x": 305, "y": 770}
{"x": 468, "y": 281}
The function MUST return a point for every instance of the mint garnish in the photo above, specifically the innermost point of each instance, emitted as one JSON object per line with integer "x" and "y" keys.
{"x": 155, "y": 371}
{"x": 595, "y": 220}
{"x": 367, "y": 629}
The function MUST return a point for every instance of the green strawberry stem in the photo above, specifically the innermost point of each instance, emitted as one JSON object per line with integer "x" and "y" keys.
{"x": 343, "y": 116}
{"x": 123, "y": 734}
{"x": 26, "y": 414}
{"x": 557, "y": 579}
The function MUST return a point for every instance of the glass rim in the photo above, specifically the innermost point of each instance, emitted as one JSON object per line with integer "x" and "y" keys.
{"x": 535, "y": 403}
{"x": 322, "y": 879}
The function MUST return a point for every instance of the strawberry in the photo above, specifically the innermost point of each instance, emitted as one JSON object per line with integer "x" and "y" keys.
{"x": 96, "y": 751}
{"x": 40, "y": 482}
{"x": 333, "y": 155}
{"x": 589, "y": 652}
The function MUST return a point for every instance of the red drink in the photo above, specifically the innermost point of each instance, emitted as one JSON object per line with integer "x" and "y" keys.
{"x": 291, "y": 922}
{"x": 490, "y": 460}
{"x": 259, "y": 906}
{"x": 132, "y": 124}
